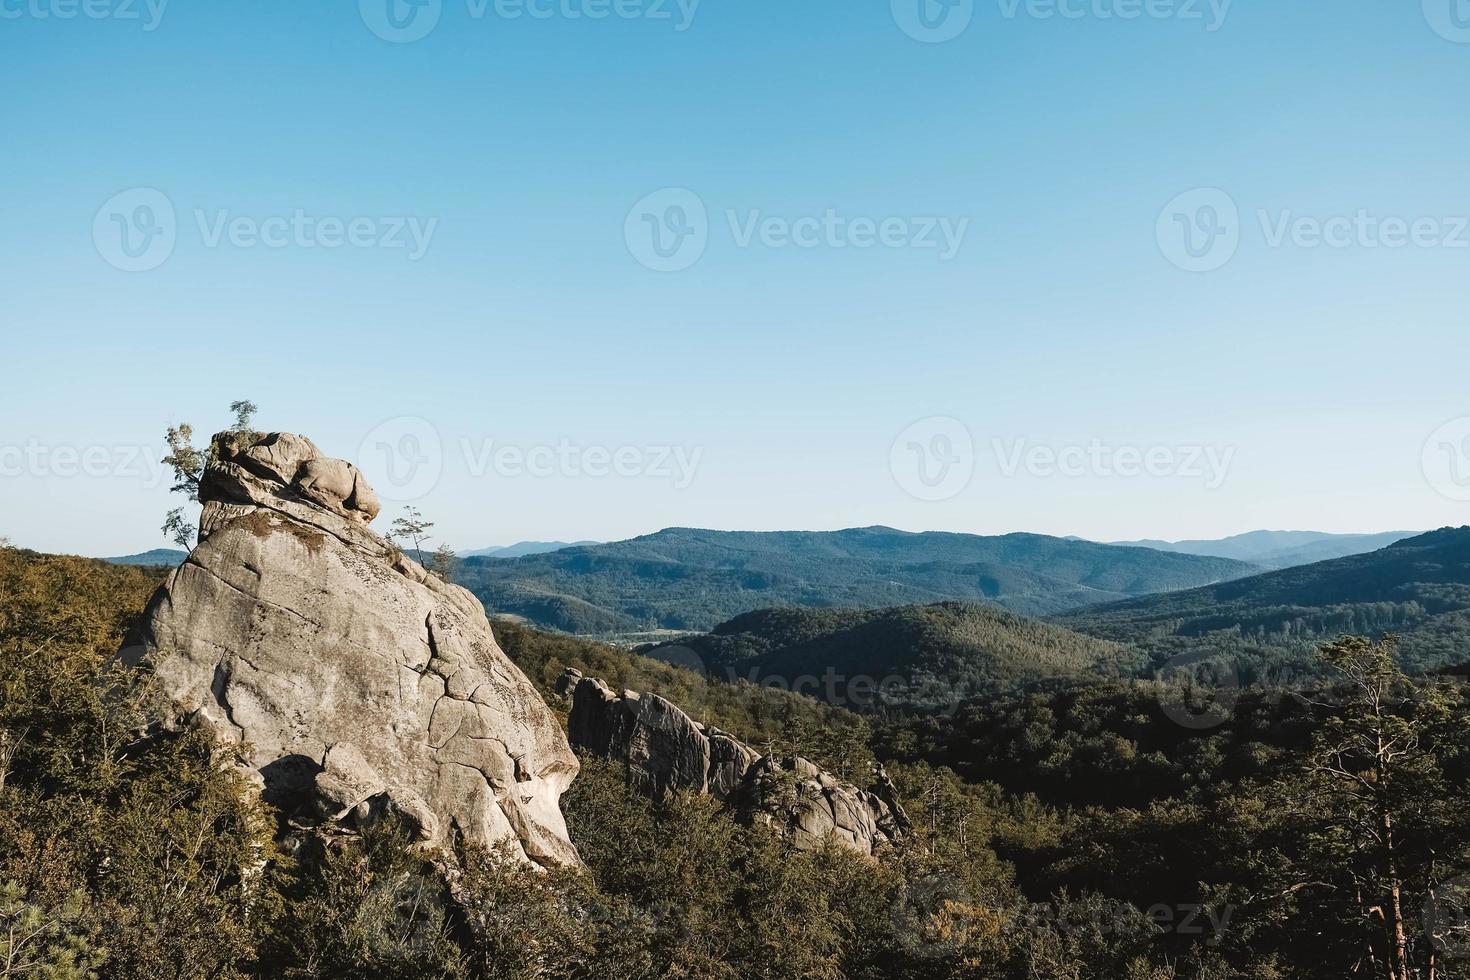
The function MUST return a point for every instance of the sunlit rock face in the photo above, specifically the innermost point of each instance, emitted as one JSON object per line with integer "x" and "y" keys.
{"x": 665, "y": 751}
{"x": 353, "y": 680}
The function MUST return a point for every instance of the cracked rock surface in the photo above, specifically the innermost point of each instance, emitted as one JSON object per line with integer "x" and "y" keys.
{"x": 666, "y": 751}
{"x": 354, "y": 680}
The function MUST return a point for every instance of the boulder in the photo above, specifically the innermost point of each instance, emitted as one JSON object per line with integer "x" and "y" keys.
{"x": 347, "y": 781}
{"x": 567, "y": 682}
{"x": 812, "y": 806}
{"x": 349, "y": 677}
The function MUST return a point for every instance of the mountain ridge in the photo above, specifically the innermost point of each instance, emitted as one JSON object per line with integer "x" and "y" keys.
{"x": 694, "y": 578}
{"x": 165, "y": 557}
{"x": 1418, "y": 588}
{"x": 523, "y": 548}
{"x": 1277, "y": 549}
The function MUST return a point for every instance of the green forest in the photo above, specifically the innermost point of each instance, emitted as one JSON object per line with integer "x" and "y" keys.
{"x": 1267, "y": 626}
{"x": 1073, "y": 829}
{"x": 692, "y": 579}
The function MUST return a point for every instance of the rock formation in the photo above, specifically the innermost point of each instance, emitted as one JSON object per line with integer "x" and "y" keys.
{"x": 666, "y": 751}
{"x": 354, "y": 681}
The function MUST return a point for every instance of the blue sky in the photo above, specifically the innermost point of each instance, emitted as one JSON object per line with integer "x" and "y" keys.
{"x": 489, "y": 371}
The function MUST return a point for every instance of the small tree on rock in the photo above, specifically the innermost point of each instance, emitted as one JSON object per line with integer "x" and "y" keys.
{"x": 444, "y": 563}
{"x": 188, "y": 463}
{"x": 411, "y": 527}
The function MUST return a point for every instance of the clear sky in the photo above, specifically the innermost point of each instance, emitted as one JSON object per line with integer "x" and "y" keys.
{"x": 759, "y": 264}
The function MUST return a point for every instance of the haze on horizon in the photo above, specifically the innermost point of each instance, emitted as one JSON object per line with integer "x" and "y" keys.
{"x": 981, "y": 316}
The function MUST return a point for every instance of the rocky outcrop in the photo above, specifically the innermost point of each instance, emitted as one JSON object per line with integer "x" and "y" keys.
{"x": 729, "y": 761}
{"x": 666, "y": 751}
{"x": 351, "y": 679}
{"x": 811, "y": 806}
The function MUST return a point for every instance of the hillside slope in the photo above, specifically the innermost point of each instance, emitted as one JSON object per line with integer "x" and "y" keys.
{"x": 683, "y": 578}
{"x": 160, "y": 557}
{"x": 522, "y": 548}
{"x": 1418, "y": 588}
{"x": 948, "y": 652}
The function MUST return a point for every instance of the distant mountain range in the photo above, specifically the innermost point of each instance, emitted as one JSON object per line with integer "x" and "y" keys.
{"x": 684, "y": 578}
{"x": 522, "y": 548}
{"x": 1279, "y": 549}
{"x": 805, "y": 592}
{"x": 158, "y": 556}
{"x": 173, "y": 556}
{"x": 1266, "y": 549}
{"x": 1418, "y": 588}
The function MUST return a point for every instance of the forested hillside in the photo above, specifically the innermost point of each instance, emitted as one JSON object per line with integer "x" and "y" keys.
{"x": 933, "y": 654}
{"x": 1418, "y": 588}
{"x": 684, "y": 578}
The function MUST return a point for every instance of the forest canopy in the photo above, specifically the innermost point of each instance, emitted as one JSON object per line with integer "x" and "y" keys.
{"x": 1060, "y": 833}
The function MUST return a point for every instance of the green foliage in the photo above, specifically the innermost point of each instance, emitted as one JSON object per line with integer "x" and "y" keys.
{"x": 526, "y": 924}
{"x": 444, "y": 563}
{"x": 947, "y": 905}
{"x": 918, "y": 656}
{"x": 1267, "y": 628}
{"x": 1377, "y": 807}
{"x": 369, "y": 907}
{"x": 185, "y": 460}
{"x": 1106, "y": 743}
{"x": 1154, "y": 850}
{"x": 244, "y": 412}
{"x": 731, "y": 901}
{"x": 44, "y": 943}
{"x": 188, "y": 463}
{"x": 136, "y": 847}
{"x": 410, "y": 527}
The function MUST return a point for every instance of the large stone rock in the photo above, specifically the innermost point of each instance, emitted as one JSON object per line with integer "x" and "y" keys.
{"x": 353, "y": 680}
{"x": 667, "y": 751}
{"x": 729, "y": 761}
{"x": 664, "y": 750}
{"x": 811, "y": 806}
